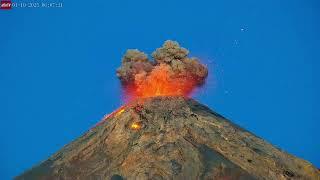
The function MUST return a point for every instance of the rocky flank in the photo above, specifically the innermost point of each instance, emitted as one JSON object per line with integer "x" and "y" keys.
{"x": 170, "y": 138}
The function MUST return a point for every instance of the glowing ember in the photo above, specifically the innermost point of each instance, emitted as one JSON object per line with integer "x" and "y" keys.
{"x": 116, "y": 112}
{"x": 113, "y": 114}
{"x": 136, "y": 126}
{"x": 120, "y": 111}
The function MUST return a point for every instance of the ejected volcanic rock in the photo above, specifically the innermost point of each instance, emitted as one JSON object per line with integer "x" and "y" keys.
{"x": 170, "y": 138}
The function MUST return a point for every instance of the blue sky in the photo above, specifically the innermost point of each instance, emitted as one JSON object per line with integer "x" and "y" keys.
{"x": 57, "y": 68}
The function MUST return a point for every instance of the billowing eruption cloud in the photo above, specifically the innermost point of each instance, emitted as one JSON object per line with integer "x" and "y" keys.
{"x": 171, "y": 73}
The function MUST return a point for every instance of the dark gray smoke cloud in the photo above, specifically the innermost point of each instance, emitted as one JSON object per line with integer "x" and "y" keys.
{"x": 171, "y": 54}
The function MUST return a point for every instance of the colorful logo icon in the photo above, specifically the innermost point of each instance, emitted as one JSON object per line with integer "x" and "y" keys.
{"x": 5, "y": 4}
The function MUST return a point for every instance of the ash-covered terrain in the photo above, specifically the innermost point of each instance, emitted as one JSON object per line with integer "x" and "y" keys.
{"x": 170, "y": 138}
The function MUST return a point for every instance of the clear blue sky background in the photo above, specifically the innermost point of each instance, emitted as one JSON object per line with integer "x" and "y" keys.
{"x": 57, "y": 68}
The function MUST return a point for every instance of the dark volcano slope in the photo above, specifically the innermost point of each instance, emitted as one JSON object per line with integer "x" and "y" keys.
{"x": 178, "y": 139}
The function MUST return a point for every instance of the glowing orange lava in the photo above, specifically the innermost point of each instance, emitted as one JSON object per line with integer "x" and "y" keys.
{"x": 113, "y": 114}
{"x": 160, "y": 83}
{"x": 136, "y": 126}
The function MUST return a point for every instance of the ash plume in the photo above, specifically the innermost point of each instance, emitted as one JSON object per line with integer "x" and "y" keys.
{"x": 171, "y": 68}
{"x": 134, "y": 62}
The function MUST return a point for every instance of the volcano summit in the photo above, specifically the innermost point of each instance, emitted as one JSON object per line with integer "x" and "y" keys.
{"x": 161, "y": 133}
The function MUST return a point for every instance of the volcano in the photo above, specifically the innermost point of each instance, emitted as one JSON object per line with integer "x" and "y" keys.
{"x": 161, "y": 133}
{"x": 170, "y": 138}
